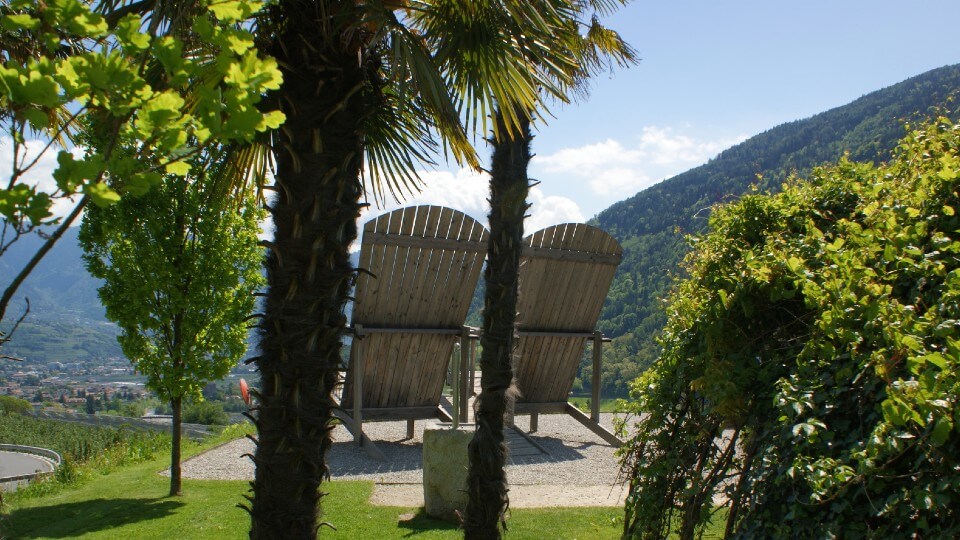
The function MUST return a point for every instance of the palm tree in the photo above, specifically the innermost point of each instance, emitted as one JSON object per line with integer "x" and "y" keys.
{"x": 365, "y": 84}
{"x": 596, "y": 49}
{"x": 369, "y": 87}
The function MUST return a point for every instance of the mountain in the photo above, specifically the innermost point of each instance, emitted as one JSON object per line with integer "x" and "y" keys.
{"x": 59, "y": 287}
{"x": 651, "y": 224}
{"x": 66, "y": 322}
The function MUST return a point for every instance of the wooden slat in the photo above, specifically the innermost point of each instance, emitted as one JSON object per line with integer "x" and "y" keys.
{"x": 385, "y": 239}
{"x": 413, "y": 318}
{"x": 376, "y": 372}
{"x": 434, "y": 351}
{"x": 392, "y": 364}
{"x": 578, "y": 256}
{"x": 418, "y": 294}
{"x": 566, "y": 273}
{"x": 413, "y": 297}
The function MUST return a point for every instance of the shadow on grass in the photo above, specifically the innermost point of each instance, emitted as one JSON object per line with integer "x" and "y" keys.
{"x": 74, "y": 519}
{"x": 421, "y": 522}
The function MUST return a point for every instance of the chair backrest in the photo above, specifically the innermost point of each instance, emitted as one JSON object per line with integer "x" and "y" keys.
{"x": 426, "y": 260}
{"x": 565, "y": 274}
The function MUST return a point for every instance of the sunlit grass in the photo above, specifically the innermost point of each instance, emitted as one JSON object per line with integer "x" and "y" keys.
{"x": 132, "y": 502}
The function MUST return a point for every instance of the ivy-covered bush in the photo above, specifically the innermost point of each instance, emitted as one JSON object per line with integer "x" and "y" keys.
{"x": 809, "y": 374}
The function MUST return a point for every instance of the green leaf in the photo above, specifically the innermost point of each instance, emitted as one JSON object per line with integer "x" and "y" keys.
{"x": 271, "y": 120}
{"x": 42, "y": 89}
{"x": 37, "y": 118}
{"x": 22, "y": 21}
{"x": 179, "y": 168}
{"x": 912, "y": 343}
{"x": 892, "y": 412}
{"x": 101, "y": 194}
{"x": 941, "y": 431}
{"x": 141, "y": 183}
{"x": 129, "y": 34}
{"x": 795, "y": 265}
{"x": 230, "y": 10}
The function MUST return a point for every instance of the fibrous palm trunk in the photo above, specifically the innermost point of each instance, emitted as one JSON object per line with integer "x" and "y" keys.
{"x": 318, "y": 154}
{"x": 486, "y": 480}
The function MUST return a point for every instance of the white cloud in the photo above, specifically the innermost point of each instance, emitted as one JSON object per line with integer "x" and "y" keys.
{"x": 40, "y": 173}
{"x": 468, "y": 192}
{"x": 610, "y": 168}
{"x": 547, "y": 210}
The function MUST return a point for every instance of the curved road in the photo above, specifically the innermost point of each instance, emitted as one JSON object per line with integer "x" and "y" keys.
{"x": 16, "y": 464}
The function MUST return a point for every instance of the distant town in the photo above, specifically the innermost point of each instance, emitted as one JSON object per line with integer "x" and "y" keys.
{"x": 108, "y": 386}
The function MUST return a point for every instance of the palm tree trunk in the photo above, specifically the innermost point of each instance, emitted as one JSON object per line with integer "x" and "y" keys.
{"x": 176, "y": 484}
{"x": 486, "y": 480}
{"x": 318, "y": 155}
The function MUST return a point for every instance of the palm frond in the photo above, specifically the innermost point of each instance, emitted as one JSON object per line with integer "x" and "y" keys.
{"x": 489, "y": 53}
{"x": 417, "y": 80}
{"x": 601, "y": 7}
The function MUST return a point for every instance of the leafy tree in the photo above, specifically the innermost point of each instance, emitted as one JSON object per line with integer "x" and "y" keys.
{"x": 10, "y": 404}
{"x": 206, "y": 413}
{"x": 64, "y": 64}
{"x": 180, "y": 265}
{"x": 133, "y": 410}
{"x": 580, "y": 55}
{"x": 810, "y": 368}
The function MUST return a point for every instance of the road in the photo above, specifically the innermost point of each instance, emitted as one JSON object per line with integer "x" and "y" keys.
{"x": 16, "y": 464}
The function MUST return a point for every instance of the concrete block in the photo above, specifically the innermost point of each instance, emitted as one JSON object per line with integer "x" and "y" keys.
{"x": 445, "y": 470}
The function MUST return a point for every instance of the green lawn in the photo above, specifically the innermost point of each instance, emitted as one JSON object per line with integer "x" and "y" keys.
{"x": 131, "y": 503}
{"x": 583, "y": 403}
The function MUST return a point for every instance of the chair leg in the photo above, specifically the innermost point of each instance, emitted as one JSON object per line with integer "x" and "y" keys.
{"x": 410, "y": 429}
{"x": 534, "y": 417}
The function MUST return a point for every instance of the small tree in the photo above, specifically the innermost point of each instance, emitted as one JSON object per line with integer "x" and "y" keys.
{"x": 10, "y": 404}
{"x": 181, "y": 264}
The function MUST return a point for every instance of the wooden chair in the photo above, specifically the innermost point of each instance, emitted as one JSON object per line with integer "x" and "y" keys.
{"x": 409, "y": 311}
{"x": 565, "y": 274}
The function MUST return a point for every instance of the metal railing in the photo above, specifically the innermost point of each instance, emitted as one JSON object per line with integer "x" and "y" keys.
{"x": 33, "y": 450}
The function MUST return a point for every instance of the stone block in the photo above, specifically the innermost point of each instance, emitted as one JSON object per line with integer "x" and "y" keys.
{"x": 445, "y": 470}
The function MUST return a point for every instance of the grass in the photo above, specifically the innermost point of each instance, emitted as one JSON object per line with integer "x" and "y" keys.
{"x": 583, "y": 403}
{"x": 132, "y": 502}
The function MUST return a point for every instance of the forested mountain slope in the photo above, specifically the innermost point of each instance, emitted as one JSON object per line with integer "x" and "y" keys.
{"x": 651, "y": 225}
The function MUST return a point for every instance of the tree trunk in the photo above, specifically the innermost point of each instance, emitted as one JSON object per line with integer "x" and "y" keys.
{"x": 176, "y": 432}
{"x": 326, "y": 94}
{"x": 486, "y": 480}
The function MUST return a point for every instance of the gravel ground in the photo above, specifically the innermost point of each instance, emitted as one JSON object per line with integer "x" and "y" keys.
{"x": 576, "y": 457}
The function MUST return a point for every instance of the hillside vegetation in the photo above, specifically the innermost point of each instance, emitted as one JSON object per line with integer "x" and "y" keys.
{"x": 811, "y": 363}
{"x": 651, "y": 225}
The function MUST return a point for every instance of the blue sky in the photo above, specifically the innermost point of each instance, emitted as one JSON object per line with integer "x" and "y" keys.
{"x": 712, "y": 74}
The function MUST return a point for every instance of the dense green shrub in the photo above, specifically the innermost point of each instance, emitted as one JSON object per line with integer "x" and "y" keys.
{"x": 81, "y": 443}
{"x": 10, "y": 404}
{"x": 205, "y": 412}
{"x": 810, "y": 362}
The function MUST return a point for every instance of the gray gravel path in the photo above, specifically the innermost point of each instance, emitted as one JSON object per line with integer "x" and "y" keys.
{"x": 576, "y": 457}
